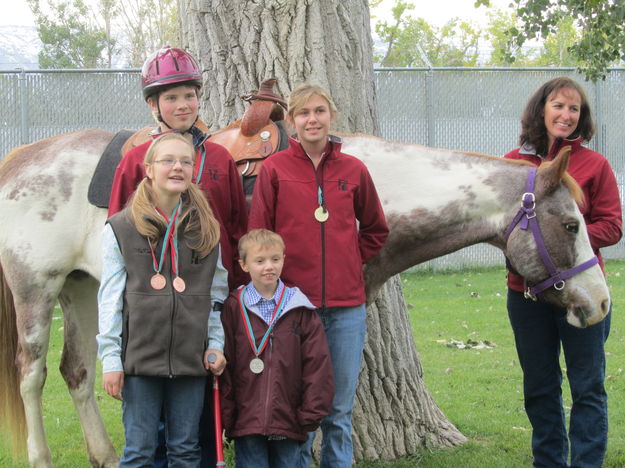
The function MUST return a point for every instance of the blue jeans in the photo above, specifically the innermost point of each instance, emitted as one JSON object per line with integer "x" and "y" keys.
{"x": 345, "y": 328}
{"x": 256, "y": 451}
{"x": 181, "y": 400}
{"x": 539, "y": 331}
{"x": 207, "y": 434}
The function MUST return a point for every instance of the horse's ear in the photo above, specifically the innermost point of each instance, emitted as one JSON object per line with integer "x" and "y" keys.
{"x": 553, "y": 172}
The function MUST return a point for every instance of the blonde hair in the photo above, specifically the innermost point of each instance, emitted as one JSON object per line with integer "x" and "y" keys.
{"x": 300, "y": 96}
{"x": 260, "y": 237}
{"x": 201, "y": 229}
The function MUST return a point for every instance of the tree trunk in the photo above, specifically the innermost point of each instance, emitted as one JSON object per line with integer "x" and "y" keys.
{"x": 239, "y": 43}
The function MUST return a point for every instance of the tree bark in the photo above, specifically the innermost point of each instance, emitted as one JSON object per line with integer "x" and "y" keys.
{"x": 238, "y": 44}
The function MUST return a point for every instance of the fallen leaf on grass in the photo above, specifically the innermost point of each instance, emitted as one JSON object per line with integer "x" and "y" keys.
{"x": 470, "y": 344}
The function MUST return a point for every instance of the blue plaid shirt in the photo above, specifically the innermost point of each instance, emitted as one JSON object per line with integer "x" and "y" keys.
{"x": 266, "y": 306}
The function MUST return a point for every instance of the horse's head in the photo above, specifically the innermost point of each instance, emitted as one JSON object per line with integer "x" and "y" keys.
{"x": 562, "y": 228}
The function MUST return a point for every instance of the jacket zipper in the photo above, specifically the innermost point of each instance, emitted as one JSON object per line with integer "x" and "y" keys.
{"x": 323, "y": 231}
{"x": 323, "y": 250}
{"x": 171, "y": 331}
{"x": 268, "y": 380}
{"x": 269, "y": 366}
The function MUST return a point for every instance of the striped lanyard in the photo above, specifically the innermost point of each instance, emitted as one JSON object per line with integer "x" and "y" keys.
{"x": 277, "y": 311}
{"x": 170, "y": 241}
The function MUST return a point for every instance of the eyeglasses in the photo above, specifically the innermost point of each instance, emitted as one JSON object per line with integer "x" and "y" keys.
{"x": 169, "y": 162}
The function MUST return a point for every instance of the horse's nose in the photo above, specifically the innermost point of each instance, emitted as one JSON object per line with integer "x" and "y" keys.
{"x": 605, "y": 307}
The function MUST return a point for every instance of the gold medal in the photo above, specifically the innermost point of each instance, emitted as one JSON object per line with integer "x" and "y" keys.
{"x": 179, "y": 284}
{"x": 158, "y": 281}
{"x": 257, "y": 365}
{"x": 321, "y": 214}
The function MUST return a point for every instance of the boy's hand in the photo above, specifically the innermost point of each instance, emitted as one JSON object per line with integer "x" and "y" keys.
{"x": 113, "y": 383}
{"x": 214, "y": 361}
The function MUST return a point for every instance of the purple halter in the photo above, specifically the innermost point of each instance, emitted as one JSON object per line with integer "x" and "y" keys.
{"x": 526, "y": 216}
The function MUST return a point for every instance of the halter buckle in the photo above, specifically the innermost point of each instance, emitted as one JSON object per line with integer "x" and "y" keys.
{"x": 528, "y": 295}
{"x": 559, "y": 286}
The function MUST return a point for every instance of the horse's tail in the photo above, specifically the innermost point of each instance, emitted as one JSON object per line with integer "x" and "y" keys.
{"x": 12, "y": 416}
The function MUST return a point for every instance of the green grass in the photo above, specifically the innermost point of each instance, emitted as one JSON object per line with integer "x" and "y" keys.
{"x": 480, "y": 391}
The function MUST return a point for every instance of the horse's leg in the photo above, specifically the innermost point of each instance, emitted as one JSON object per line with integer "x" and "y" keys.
{"x": 33, "y": 331}
{"x": 78, "y": 364}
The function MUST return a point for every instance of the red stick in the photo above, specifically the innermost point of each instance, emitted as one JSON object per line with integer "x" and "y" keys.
{"x": 219, "y": 445}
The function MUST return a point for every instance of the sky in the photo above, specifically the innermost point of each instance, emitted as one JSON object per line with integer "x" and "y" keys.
{"x": 437, "y": 12}
{"x": 16, "y": 13}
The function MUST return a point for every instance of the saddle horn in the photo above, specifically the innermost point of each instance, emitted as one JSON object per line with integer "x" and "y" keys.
{"x": 266, "y": 106}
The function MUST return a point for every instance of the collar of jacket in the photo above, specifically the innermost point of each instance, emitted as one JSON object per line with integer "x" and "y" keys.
{"x": 574, "y": 143}
{"x": 333, "y": 148}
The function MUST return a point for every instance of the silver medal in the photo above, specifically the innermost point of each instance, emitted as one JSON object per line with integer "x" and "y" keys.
{"x": 257, "y": 365}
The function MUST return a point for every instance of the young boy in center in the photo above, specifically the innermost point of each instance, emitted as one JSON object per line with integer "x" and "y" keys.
{"x": 278, "y": 383}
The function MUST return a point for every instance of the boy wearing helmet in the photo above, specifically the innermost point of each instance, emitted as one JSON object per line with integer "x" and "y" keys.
{"x": 171, "y": 80}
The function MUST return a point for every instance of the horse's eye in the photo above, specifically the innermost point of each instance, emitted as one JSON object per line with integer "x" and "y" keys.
{"x": 572, "y": 227}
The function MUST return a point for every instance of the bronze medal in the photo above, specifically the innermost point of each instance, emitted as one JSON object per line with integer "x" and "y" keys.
{"x": 158, "y": 281}
{"x": 257, "y": 365}
{"x": 321, "y": 214}
{"x": 179, "y": 284}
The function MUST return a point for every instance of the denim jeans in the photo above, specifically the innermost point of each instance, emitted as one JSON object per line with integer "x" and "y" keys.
{"x": 181, "y": 400}
{"x": 345, "y": 328}
{"x": 207, "y": 434}
{"x": 539, "y": 331}
{"x": 256, "y": 451}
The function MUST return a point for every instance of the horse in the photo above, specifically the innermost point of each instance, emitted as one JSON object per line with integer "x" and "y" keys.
{"x": 436, "y": 201}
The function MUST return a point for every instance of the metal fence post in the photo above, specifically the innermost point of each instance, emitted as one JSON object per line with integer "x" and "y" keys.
{"x": 429, "y": 107}
{"x": 21, "y": 81}
{"x": 600, "y": 143}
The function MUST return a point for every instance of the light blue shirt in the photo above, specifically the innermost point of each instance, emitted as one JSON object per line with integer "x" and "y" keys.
{"x": 266, "y": 306}
{"x": 111, "y": 303}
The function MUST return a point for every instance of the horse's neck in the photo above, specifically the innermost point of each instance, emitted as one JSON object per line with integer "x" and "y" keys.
{"x": 438, "y": 201}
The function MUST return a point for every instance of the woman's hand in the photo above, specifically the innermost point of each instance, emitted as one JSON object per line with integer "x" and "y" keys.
{"x": 214, "y": 361}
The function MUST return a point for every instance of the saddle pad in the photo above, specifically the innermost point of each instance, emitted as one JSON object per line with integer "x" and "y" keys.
{"x": 102, "y": 180}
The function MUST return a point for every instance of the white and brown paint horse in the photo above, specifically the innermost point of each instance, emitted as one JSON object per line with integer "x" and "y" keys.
{"x": 436, "y": 201}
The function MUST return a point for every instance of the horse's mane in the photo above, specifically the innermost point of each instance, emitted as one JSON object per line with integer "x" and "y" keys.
{"x": 574, "y": 188}
{"x": 571, "y": 184}
{"x": 11, "y": 154}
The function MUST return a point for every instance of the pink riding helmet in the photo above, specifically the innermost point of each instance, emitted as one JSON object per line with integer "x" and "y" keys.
{"x": 167, "y": 66}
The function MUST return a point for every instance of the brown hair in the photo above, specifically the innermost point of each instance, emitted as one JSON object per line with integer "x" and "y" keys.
{"x": 300, "y": 96}
{"x": 533, "y": 130}
{"x": 200, "y": 226}
{"x": 260, "y": 237}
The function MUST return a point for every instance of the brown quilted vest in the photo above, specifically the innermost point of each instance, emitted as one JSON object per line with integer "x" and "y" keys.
{"x": 164, "y": 331}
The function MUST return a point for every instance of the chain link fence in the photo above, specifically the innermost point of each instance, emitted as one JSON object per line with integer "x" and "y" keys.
{"x": 468, "y": 109}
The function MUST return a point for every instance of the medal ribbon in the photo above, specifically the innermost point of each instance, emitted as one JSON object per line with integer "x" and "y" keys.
{"x": 250, "y": 332}
{"x": 202, "y": 158}
{"x": 320, "y": 198}
{"x": 170, "y": 240}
